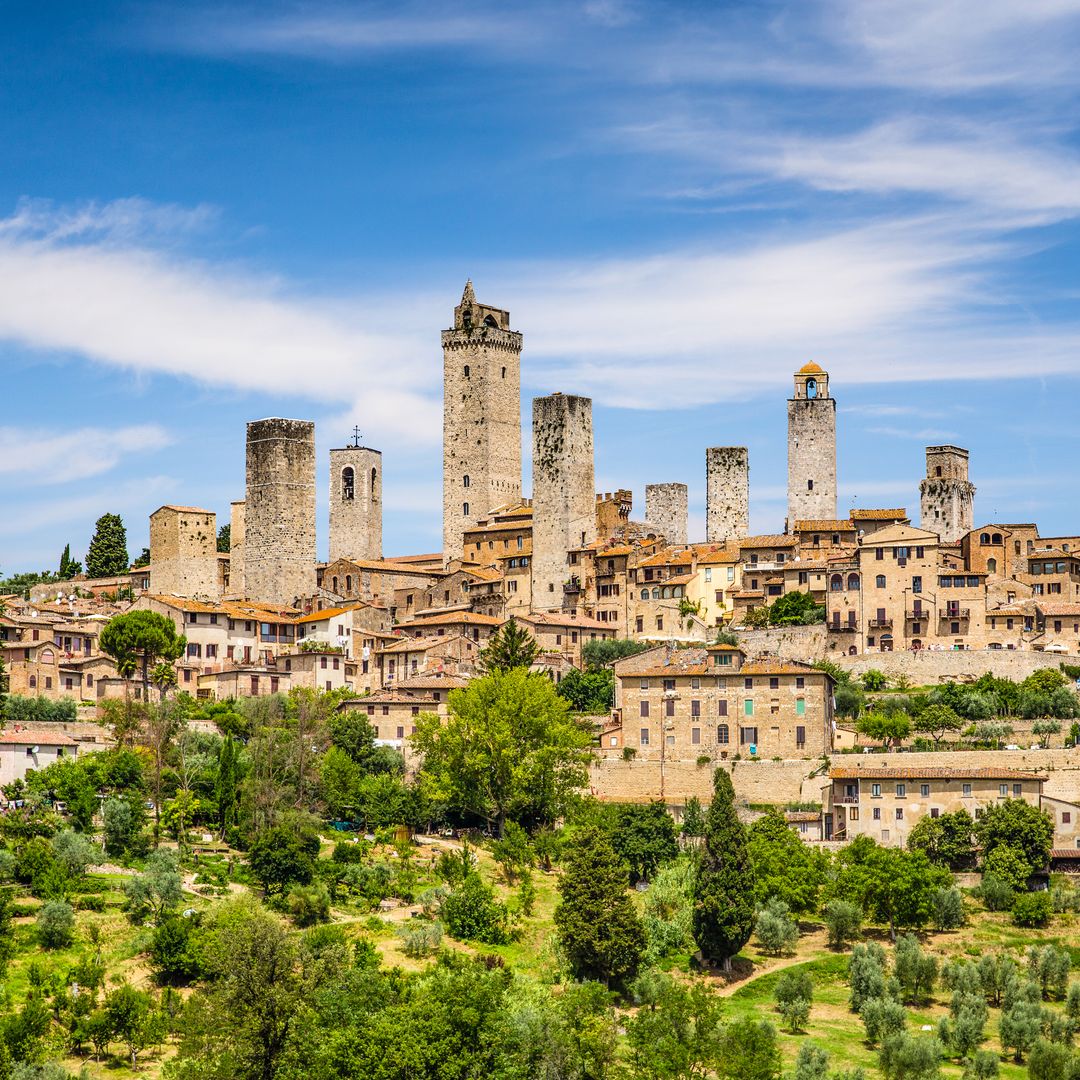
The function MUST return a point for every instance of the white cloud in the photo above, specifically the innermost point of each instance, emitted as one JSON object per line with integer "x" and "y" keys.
{"x": 45, "y": 456}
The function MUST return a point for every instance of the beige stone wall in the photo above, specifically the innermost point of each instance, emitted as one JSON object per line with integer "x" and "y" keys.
{"x": 927, "y": 667}
{"x": 236, "y": 550}
{"x": 356, "y": 507}
{"x": 183, "y": 552}
{"x": 279, "y": 541}
{"x": 727, "y": 493}
{"x": 564, "y": 501}
{"x": 481, "y": 418}
{"x": 667, "y": 509}
{"x": 811, "y": 452}
{"x": 806, "y": 643}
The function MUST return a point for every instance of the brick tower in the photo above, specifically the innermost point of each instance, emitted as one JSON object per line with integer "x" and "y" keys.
{"x": 355, "y": 502}
{"x": 481, "y": 417}
{"x": 811, "y": 448}
{"x": 727, "y": 493}
{"x": 946, "y": 496}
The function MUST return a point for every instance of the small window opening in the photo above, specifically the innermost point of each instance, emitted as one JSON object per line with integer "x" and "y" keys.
{"x": 348, "y": 483}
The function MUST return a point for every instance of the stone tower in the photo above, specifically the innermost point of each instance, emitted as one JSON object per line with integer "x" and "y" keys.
{"x": 183, "y": 552}
{"x": 355, "y": 503}
{"x": 811, "y": 448}
{"x": 236, "y": 549}
{"x": 279, "y": 511}
{"x": 946, "y": 496}
{"x": 564, "y": 501}
{"x": 727, "y": 493}
{"x": 667, "y": 508}
{"x": 481, "y": 417}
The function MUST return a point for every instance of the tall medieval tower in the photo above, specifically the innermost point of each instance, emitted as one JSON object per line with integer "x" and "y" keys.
{"x": 481, "y": 418}
{"x": 183, "y": 552}
{"x": 279, "y": 511}
{"x": 355, "y": 503}
{"x": 811, "y": 448}
{"x": 727, "y": 493}
{"x": 667, "y": 507}
{"x": 564, "y": 499}
{"x": 946, "y": 496}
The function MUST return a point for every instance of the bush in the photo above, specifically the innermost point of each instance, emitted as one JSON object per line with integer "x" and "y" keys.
{"x": 984, "y": 1065}
{"x": 471, "y": 913}
{"x": 882, "y": 1017}
{"x": 420, "y": 939}
{"x": 874, "y": 680}
{"x": 1032, "y": 910}
{"x": 309, "y": 904}
{"x": 843, "y": 921}
{"x": 173, "y": 950}
{"x": 916, "y": 971}
{"x": 996, "y": 894}
{"x": 795, "y": 1013}
{"x": 948, "y": 907}
{"x": 904, "y": 1057}
{"x": 56, "y": 925}
{"x": 793, "y": 984}
{"x": 777, "y": 932}
{"x": 866, "y": 974}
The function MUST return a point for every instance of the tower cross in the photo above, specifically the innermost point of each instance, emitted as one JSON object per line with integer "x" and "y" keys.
{"x": 356, "y": 436}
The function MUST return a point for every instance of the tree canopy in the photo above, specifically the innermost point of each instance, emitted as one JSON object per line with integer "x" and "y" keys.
{"x": 511, "y": 646}
{"x": 107, "y": 555}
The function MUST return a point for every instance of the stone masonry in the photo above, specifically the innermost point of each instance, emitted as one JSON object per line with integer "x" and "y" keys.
{"x": 279, "y": 541}
{"x": 811, "y": 448}
{"x": 946, "y": 496}
{"x": 355, "y": 503}
{"x": 727, "y": 493}
{"x": 481, "y": 418}
{"x": 236, "y": 549}
{"x": 564, "y": 501}
{"x": 667, "y": 508}
{"x": 183, "y": 552}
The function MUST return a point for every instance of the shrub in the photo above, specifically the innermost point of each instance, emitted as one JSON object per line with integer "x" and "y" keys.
{"x": 866, "y": 974}
{"x": 793, "y": 984}
{"x": 776, "y": 930}
{"x": 904, "y": 1057}
{"x": 996, "y": 894}
{"x": 174, "y": 952}
{"x": 1008, "y": 865}
{"x": 471, "y": 913}
{"x": 874, "y": 680}
{"x": 795, "y": 1013}
{"x": 984, "y": 1065}
{"x": 948, "y": 909}
{"x": 56, "y": 925}
{"x": 843, "y": 921}
{"x": 309, "y": 904}
{"x": 1049, "y": 967}
{"x": 420, "y": 939}
{"x": 1032, "y": 910}
{"x": 882, "y": 1017}
{"x": 916, "y": 971}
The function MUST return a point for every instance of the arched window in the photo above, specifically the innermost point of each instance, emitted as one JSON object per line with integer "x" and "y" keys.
{"x": 348, "y": 583}
{"x": 722, "y": 734}
{"x": 465, "y": 481}
{"x": 996, "y": 539}
{"x": 667, "y": 592}
{"x": 811, "y": 388}
{"x": 33, "y": 681}
{"x": 466, "y": 371}
{"x": 991, "y": 565}
{"x": 644, "y": 594}
{"x": 465, "y": 509}
{"x": 47, "y": 656}
{"x": 984, "y": 538}
{"x": 489, "y": 320}
{"x": 879, "y": 581}
{"x": 504, "y": 373}
{"x": 374, "y": 477}
{"x": 334, "y": 587}
{"x": 853, "y": 582}
{"x": 348, "y": 483}
{"x": 656, "y": 594}
{"x": 836, "y": 582}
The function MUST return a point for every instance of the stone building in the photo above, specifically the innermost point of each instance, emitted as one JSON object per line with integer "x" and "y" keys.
{"x": 481, "y": 418}
{"x": 355, "y": 503}
{"x": 946, "y": 496}
{"x": 279, "y": 512}
{"x": 564, "y": 500}
{"x": 236, "y": 550}
{"x": 667, "y": 510}
{"x": 811, "y": 447}
{"x": 727, "y": 493}
{"x": 183, "y": 552}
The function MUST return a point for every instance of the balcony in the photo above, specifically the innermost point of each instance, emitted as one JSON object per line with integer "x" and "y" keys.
{"x": 918, "y": 616}
{"x": 880, "y": 624}
{"x": 572, "y": 587}
{"x": 957, "y": 613}
{"x": 839, "y": 627}
{"x": 846, "y": 800}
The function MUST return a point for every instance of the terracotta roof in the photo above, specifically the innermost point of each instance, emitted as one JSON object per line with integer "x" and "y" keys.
{"x": 498, "y": 526}
{"x": 551, "y": 618}
{"x": 434, "y": 681}
{"x": 668, "y": 557}
{"x": 765, "y": 666}
{"x": 421, "y": 644}
{"x": 679, "y": 579}
{"x": 32, "y": 738}
{"x": 1065, "y": 853}
{"x": 811, "y": 369}
{"x": 723, "y": 648}
{"x": 748, "y": 594}
{"x": 185, "y": 509}
{"x": 717, "y": 556}
{"x": 1059, "y": 609}
{"x": 1009, "y": 613}
{"x": 612, "y": 552}
{"x": 451, "y": 617}
{"x": 483, "y": 573}
{"x": 825, "y": 525}
{"x": 430, "y": 557}
{"x": 879, "y": 515}
{"x": 767, "y": 541}
{"x": 802, "y": 815}
{"x": 931, "y": 773}
{"x": 327, "y": 613}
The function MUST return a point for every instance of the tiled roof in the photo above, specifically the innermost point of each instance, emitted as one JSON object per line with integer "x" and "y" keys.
{"x": 482, "y": 573}
{"x": 1058, "y": 610}
{"x": 327, "y": 613}
{"x": 555, "y": 619}
{"x": 408, "y": 645}
{"x": 879, "y": 515}
{"x": 612, "y": 552}
{"x": 434, "y": 681}
{"x": 11, "y": 737}
{"x": 185, "y": 509}
{"x": 825, "y": 525}
{"x": 802, "y": 815}
{"x": 766, "y": 666}
{"x": 767, "y": 541}
{"x": 930, "y": 773}
{"x": 668, "y": 557}
{"x": 471, "y": 618}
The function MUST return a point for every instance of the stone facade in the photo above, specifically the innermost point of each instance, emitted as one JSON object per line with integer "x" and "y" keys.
{"x": 667, "y": 508}
{"x": 279, "y": 540}
{"x": 564, "y": 499}
{"x": 727, "y": 493}
{"x": 946, "y": 496}
{"x": 481, "y": 418}
{"x": 811, "y": 447}
{"x": 355, "y": 503}
{"x": 183, "y": 552}
{"x": 236, "y": 550}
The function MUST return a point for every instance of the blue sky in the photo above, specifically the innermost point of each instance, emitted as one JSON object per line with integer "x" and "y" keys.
{"x": 210, "y": 214}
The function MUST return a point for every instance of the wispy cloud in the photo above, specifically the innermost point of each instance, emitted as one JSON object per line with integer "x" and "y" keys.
{"x": 919, "y": 434}
{"x": 44, "y": 456}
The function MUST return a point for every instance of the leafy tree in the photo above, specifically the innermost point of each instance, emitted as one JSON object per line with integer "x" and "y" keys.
{"x": 174, "y": 950}
{"x": 309, "y": 904}
{"x": 1051, "y": 1061}
{"x": 866, "y": 975}
{"x": 73, "y": 851}
{"x": 55, "y": 925}
{"x": 882, "y": 1017}
{"x": 724, "y": 880}
{"x": 843, "y": 922}
{"x": 811, "y": 1063}
{"x": 7, "y": 932}
{"x": 1044, "y": 681}
{"x": 509, "y": 750}
{"x": 224, "y": 538}
{"x": 1049, "y": 968}
{"x": 510, "y": 647}
{"x": 128, "y": 1011}
{"x": 1032, "y": 910}
{"x": 644, "y": 837}
{"x": 227, "y": 783}
{"x": 749, "y": 1051}
{"x": 591, "y": 692}
{"x": 107, "y": 555}
{"x": 915, "y": 970}
{"x": 937, "y": 721}
{"x": 599, "y": 654}
{"x": 795, "y": 984}
{"x": 678, "y": 1035}
{"x": 796, "y": 609}
{"x": 992, "y": 731}
{"x": 123, "y": 819}
{"x": 1044, "y": 728}
{"x": 1020, "y": 1027}
{"x": 948, "y": 909}
{"x": 948, "y": 840}
{"x": 965, "y": 1029}
{"x": 599, "y": 930}
{"x": 693, "y": 822}
{"x": 777, "y": 932}
{"x": 283, "y": 856}
{"x": 783, "y": 866}
{"x": 340, "y": 779}
{"x": 887, "y": 727}
{"x": 1008, "y": 865}
{"x": 472, "y": 913}
{"x": 157, "y": 890}
{"x": 996, "y": 894}
{"x": 513, "y": 853}
{"x": 874, "y": 680}
{"x": 905, "y": 1057}
{"x": 850, "y": 700}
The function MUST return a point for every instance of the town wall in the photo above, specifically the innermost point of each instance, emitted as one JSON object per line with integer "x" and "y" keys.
{"x": 355, "y": 503}
{"x": 727, "y": 493}
{"x": 930, "y": 666}
{"x": 279, "y": 541}
{"x": 667, "y": 508}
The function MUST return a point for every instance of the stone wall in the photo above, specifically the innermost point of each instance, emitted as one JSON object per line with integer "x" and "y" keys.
{"x": 481, "y": 418}
{"x": 806, "y": 643}
{"x": 236, "y": 549}
{"x": 667, "y": 509}
{"x": 183, "y": 552}
{"x": 279, "y": 541}
{"x": 927, "y": 666}
{"x": 355, "y": 503}
{"x": 811, "y": 452}
{"x": 727, "y": 493}
{"x": 564, "y": 501}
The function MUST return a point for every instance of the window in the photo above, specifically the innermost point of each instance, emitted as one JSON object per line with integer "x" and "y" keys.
{"x": 644, "y": 684}
{"x": 800, "y": 736}
{"x": 748, "y": 683}
{"x": 465, "y": 481}
{"x": 800, "y": 706}
{"x": 879, "y": 581}
{"x": 1066, "y": 817}
{"x": 643, "y": 736}
{"x": 722, "y": 734}
{"x": 748, "y": 707}
{"x": 924, "y": 790}
{"x": 722, "y": 708}
{"x": 876, "y": 815}
{"x": 853, "y": 582}
{"x": 695, "y": 736}
{"x": 644, "y": 709}
{"x": 466, "y": 371}
{"x": 853, "y": 813}
{"x": 1003, "y": 790}
{"x": 875, "y": 791}
{"x": 659, "y": 620}
{"x": 1018, "y": 789}
{"x": 695, "y": 683}
{"x": 695, "y": 707}
{"x": 967, "y": 789}
{"x": 901, "y": 791}
{"x": 465, "y": 509}
{"x": 899, "y": 813}
{"x": 774, "y": 684}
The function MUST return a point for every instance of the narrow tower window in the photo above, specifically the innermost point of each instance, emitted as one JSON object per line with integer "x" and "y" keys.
{"x": 809, "y": 485}
{"x": 466, "y": 371}
{"x": 504, "y": 373}
{"x": 374, "y": 477}
{"x": 465, "y": 509}
{"x": 348, "y": 483}
{"x": 465, "y": 481}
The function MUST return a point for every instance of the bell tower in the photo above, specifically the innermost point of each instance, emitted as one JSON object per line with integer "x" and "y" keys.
{"x": 811, "y": 448}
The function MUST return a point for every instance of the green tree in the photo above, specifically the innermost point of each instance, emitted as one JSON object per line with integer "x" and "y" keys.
{"x": 128, "y": 1011}
{"x": 174, "y": 950}
{"x": 124, "y": 818}
{"x": 811, "y": 1063}
{"x": 905, "y": 1057}
{"x": 749, "y": 1051}
{"x": 141, "y": 638}
{"x": 340, "y": 779}
{"x": 591, "y": 692}
{"x": 890, "y": 728}
{"x": 784, "y": 866}
{"x": 55, "y": 925}
{"x": 69, "y": 567}
{"x": 599, "y": 654}
{"x": 508, "y": 750}
{"x": 678, "y": 1035}
{"x": 937, "y": 721}
{"x": 724, "y": 880}
{"x": 1007, "y": 865}
{"x": 948, "y": 909}
{"x": 777, "y": 932}
{"x": 948, "y": 840}
{"x": 843, "y": 922}
{"x": 915, "y": 970}
{"x": 644, "y": 837}
{"x": 142, "y": 560}
{"x": 598, "y": 929}
{"x": 510, "y": 647}
{"x": 471, "y": 912}
{"x": 157, "y": 890}
{"x": 283, "y": 856}
{"x": 1017, "y": 824}
{"x": 874, "y": 681}
{"x": 1020, "y": 1026}
{"x": 796, "y": 609}
{"x": 107, "y": 555}
{"x": 1032, "y": 910}
{"x": 227, "y": 783}
{"x": 794, "y": 995}
{"x": 693, "y": 822}
{"x": 224, "y": 538}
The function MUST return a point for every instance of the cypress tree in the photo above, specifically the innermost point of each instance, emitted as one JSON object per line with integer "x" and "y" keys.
{"x": 511, "y": 646}
{"x": 601, "y": 935}
{"x": 108, "y": 554}
{"x": 723, "y": 891}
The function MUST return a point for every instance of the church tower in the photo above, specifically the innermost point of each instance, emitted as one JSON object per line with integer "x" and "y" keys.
{"x": 481, "y": 418}
{"x": 355, "y": 502}
{"x": 811, "y": 448}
